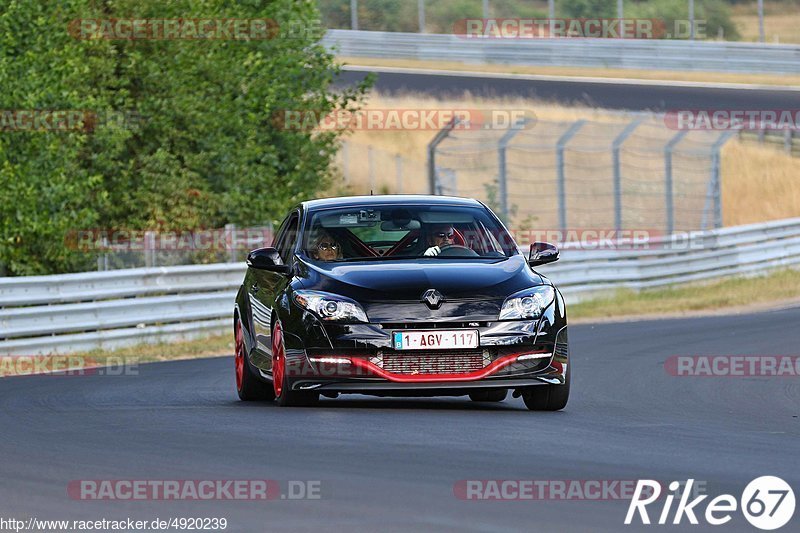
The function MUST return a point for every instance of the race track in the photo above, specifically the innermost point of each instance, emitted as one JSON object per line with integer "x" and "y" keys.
{"x": 610, "y": 94}
{"x": 391, "y": 464}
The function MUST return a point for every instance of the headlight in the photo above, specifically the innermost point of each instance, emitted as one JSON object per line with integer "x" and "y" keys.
{"x": 330, "y": 306}
{"x": 528, "y": 303}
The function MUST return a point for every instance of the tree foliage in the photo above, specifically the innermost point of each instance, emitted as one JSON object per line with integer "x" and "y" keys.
{"x": 185, "y": 137}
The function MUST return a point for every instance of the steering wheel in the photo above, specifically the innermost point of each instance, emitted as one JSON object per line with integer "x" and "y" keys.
{"x": 456, "y": 250}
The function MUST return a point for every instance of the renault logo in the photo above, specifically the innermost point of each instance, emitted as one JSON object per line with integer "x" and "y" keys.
{"x": 433, "y": 298}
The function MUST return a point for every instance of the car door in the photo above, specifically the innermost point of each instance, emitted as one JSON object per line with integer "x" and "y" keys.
{"x": 266, "y": 287}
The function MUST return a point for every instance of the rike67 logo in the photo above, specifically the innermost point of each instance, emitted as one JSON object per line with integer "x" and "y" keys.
{"x": 767, "y": 503}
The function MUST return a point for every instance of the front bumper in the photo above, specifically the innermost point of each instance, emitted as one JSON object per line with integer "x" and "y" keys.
{"x": 360, "y": 357}
{"x": 383, "y": 388}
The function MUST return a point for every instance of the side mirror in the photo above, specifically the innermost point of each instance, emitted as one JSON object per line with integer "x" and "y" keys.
{"x": 267, "y": 259}
{"x": 542, "y": 253}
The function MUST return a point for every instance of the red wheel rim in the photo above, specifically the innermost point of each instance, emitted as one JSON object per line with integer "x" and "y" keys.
{"x": 239, "y": 356}
{"x": 278, "y": 359}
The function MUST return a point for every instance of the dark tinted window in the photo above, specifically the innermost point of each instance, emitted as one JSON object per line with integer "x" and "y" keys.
{"x": 393, "y": 232}
{"x": 287, "y": 238}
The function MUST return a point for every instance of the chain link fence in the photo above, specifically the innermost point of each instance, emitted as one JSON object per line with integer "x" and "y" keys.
{"x": 163, "y": 248}
{"x": 740, "y": 20}
{"x": 788, "y": 140}
{"x": 586, "y": 174}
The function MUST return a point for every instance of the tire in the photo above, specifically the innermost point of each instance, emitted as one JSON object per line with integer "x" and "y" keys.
{"x": 488, "y": 395}
{"x": 248, "y": 386}
{"x": 548, "y": 397}
{"x": 283, "y": 394}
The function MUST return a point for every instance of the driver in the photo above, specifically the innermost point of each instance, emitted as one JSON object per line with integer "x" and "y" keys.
{"x": 439, "y": 236}
{"x": 326, "y": 248}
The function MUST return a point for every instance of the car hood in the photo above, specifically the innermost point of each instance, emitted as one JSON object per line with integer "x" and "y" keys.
{"x": 392, "y": 290}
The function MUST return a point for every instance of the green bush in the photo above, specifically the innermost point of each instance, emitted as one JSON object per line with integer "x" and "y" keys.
{"x": 204, "y": 150}
{"x": 587, "y": 9}
{"x": 715, "y": 13}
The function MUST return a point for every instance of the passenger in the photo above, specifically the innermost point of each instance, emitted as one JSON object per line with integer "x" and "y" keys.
{"x": 326, "y": 248}
{"x": 439, "y": 236}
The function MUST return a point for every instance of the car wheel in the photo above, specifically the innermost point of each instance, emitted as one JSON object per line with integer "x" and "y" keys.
{"x": 281, "y": 387}
{"x": 548, "y": 397}
{"x": 248, "y": 386}
{"x": 488, "y": 395}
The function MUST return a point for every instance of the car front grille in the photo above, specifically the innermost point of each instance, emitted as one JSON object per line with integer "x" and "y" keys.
{"x": 432, "y": 362}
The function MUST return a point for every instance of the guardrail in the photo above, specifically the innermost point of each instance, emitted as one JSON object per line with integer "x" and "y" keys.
{"x": 687, "y": 55}
{"x": 77, "y": 312}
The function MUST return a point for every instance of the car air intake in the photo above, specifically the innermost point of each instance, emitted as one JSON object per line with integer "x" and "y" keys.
{"x": 433, "y": 362}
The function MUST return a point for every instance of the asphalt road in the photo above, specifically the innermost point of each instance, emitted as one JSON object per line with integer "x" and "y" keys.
{"x": 614, "y": 95}
{"x": 391, "y": 464}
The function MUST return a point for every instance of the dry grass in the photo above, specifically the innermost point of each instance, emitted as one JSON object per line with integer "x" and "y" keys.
{"x": 213, "y": 346}
{"x": 759, "y": 183}
{"x": 583, "y": 72}
{"x": 781, "y": 21}
{"x": 408, "y": 142}
{"x": 742, "y": 293}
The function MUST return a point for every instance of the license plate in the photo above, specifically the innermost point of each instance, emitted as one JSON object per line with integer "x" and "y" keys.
{"x": 437, "y": 339}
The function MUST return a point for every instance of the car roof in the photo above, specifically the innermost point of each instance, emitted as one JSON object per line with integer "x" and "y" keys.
{"x": 388, "y": 199}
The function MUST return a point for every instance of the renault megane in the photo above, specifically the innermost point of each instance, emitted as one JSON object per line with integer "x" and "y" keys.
{"x": 399, "y": 296}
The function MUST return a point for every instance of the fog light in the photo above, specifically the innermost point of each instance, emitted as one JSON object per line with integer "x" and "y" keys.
{"x": 530, "y": 356}
{"x": 331, "y": 360}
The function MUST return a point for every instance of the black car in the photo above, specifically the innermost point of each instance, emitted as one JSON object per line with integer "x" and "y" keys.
{"x": 399, "y": 296}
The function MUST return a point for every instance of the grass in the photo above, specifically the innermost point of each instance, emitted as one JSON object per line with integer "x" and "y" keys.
{"x": 759, "y": 182}
{"x": 216, "y": 345}
{"x": 582, "y": 72}
{"x": 728, "y": 293}
{"x": 211, "y": 346}
{"x": 781, "y": 21}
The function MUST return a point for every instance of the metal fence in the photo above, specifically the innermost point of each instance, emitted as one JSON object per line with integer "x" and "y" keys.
{"x": 334, "y": 11}
{"x": 76, "y": 312}
{"x": 712, "y": 56}
{"x": 635, "y": 174}
{"x": 787, "y": 139}
{"x": 152, "y": 248}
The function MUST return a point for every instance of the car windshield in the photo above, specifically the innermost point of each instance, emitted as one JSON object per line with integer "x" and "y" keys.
{"x": 403, "y": 232}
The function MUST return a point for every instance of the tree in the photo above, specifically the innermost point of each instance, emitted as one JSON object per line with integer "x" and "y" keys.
{"x": 204, "y": 148}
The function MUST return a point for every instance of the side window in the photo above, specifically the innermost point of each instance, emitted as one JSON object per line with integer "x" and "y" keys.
{"x": 288, "y": 238}
{"x": 281, "y": 231}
